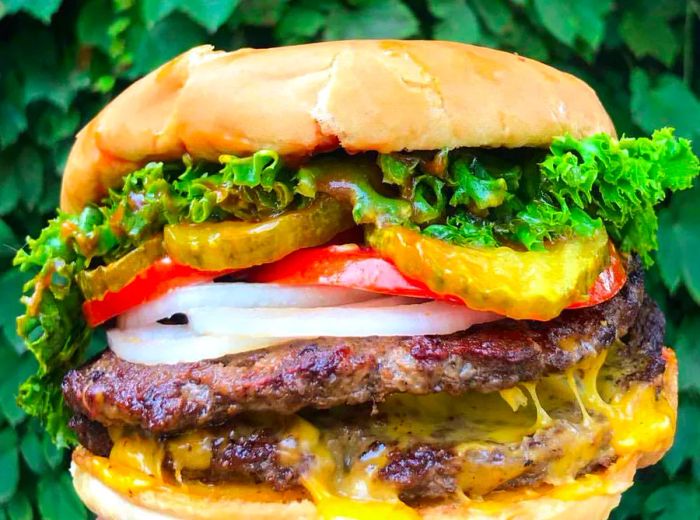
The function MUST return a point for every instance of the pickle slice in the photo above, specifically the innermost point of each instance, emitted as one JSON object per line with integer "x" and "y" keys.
{"x": 112, "y": 277}
{"x": 518, "y": 284}
{"x": 237, "y": 244}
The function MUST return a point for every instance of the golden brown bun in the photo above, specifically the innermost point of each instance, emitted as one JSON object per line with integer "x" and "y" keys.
{"x": 170, "y": 502}
{"x": 361, "y": 95}
{"x": 110, "y": 505}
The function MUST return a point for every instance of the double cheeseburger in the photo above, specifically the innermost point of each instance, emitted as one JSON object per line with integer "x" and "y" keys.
{"x": 358, "y": 280}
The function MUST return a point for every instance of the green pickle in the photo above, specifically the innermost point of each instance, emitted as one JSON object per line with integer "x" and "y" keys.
{"x": 239, "y": 244}
{"x": 112, "y": 277}
{"x": 518, "y": 284}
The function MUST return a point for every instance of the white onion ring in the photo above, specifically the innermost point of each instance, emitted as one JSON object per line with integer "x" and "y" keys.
{"x": 433, "y": 317}
{"x": 384, "y": 301}
{"x": 170, "y": 344}
{"x": 226, "y": 319}
{"x": 182, "y": 299}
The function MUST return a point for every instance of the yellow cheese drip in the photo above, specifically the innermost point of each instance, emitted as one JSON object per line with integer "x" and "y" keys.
{"x": 191, "y": 451}
{"x": 543, "y": 418}
{"x": 136, "y": 452}
{"x": 367, "y": 498}
{"x": 641, "y": 421}
{"x": 573, "y": 385}
{"x": 514, "y": 397}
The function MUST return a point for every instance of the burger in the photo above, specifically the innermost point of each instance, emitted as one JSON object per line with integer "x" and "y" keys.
{"x": 358, "y": 280}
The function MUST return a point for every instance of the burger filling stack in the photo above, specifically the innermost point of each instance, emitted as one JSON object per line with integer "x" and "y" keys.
{"x": 359, "y": 280}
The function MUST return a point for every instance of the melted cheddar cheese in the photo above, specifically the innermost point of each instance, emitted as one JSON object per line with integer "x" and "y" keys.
{"x": 640, "y": 419}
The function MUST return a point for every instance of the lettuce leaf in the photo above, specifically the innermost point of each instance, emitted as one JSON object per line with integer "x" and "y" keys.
{"x": 53, "y": 327}
{"x": 620, "y": 182}
{"x": 529, "y": 197}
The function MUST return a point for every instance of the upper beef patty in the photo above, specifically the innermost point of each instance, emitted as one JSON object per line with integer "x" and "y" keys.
{"x": 328, "y": 372}
{"x": 423, "y": 446}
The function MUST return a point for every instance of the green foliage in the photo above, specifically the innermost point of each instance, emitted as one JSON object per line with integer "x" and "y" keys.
{"x": 580, "y": 25}
{"x": 60, "y": 61}
{"x": 456, "y": 21}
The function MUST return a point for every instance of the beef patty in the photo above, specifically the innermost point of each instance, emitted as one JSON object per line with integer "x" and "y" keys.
{"x": 426, "y": 447}
{"x": 327, "y": 372}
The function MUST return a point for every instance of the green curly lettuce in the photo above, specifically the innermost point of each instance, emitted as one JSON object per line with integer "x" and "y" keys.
{"x": 53, "y": 326}
{"x": 525, "y": 198}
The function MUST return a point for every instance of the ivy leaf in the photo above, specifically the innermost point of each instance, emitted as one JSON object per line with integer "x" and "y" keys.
{"x": 9, "y": 389}
{"x": 40, "y": 9}
{"x": 633, "y": 499}
{"x": 372, "y": 19}
{"x": 688, "y": 350}
{"x": 647, "y": 32}
{"x": 168, "y": 38}
{"x": 260, "y": 13}
{"x": 93, "y": 23}
{"x": 669, "y": 261}
{"x": 674, "y": 501}
{"x": 496, "y": 15}
{"x": 11, "y": 282}
{"x": 211, "y": 14}
{"x": 299, "y": 24}
{"x": 19, "y": 507}
{"x": 667, "y": 98}
{"x": 47, "y": 75}
{"x": 570, "y": 22}
{"x": 57, "y": 499}
{"x": 33, "y": 453}
{"x": 525, "y": 40}
{"x": 9, "y": 464}
{"x": 8, "y": 241}
{"x": 456, "y": 21}
{"x": 12, "y": 123}
{"x": 53, "y": 454}
{"x": 9, "y": 411}
{"x": 54, "y": 125}
{"x": 29, "y": 171}
{"x": 678, "y": 255}
{"x": 9, "y": 188}
{"x": 687, "y": 442}
{"x": 153, "y": 11}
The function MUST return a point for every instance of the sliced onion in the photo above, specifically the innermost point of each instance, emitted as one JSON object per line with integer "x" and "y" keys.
{"x": 170, "y": 344}
{"x": 182, "y": 299}
{"x": 432, "y": 317}
{"x": 384, "y": 301}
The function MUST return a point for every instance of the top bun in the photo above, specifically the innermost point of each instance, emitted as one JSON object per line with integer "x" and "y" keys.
{"x": 384, "y": 95}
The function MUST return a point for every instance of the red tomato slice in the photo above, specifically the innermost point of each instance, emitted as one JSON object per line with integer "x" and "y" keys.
{"x": 346, "y": 265}
{"x": 156, "y": 279}
{"x": 608, "y": 283}
{"x": 357, "y": 267}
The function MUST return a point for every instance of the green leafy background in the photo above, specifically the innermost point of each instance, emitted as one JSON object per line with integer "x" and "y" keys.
{"x": 61, "y": 60}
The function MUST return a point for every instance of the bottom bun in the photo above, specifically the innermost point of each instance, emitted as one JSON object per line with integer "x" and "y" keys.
{"x": 118, "y": 493}
{"x": 165, "y": 504}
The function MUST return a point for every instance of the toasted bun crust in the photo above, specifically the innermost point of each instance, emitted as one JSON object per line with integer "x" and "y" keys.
{"x": 169, "y": 502}
{"x": 359, "y": 95}
{"x": 110, "y": 505}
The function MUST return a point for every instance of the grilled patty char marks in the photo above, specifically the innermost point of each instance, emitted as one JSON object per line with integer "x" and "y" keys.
{"x": 247, "y": 449}
{"x": 243, "y": 452}
{"x": 329, "y": 372}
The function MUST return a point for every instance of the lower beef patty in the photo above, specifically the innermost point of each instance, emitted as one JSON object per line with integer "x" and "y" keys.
{"x": 329, "y": 372}
{"x": 427, "y": 447}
